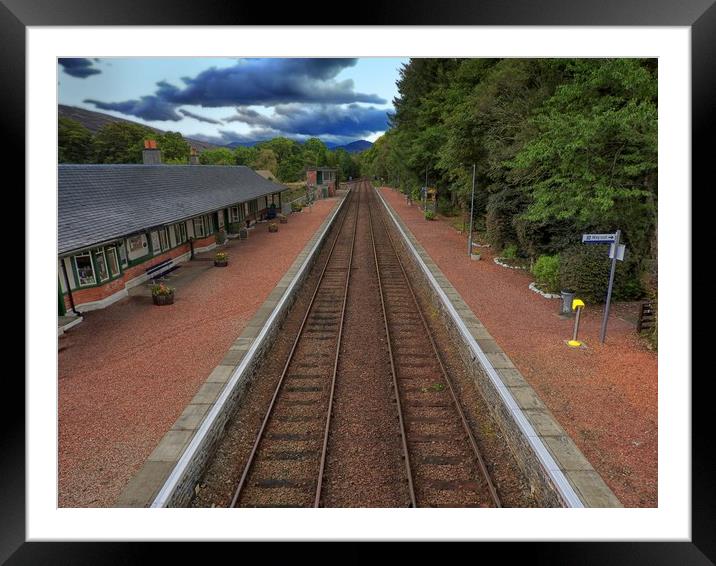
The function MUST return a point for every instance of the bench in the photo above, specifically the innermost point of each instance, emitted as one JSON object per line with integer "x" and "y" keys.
{"x": 161, "y": 269}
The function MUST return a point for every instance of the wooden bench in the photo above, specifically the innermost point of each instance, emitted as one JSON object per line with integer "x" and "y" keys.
{"x": 161, "y": 269}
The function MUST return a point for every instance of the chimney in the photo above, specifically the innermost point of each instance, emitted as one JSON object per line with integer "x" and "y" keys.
{"x": 151, "y": 155}
{"x": 194, "y": 157}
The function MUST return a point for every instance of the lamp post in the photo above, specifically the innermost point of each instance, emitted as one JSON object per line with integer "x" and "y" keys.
{"x": 472, "y": 207}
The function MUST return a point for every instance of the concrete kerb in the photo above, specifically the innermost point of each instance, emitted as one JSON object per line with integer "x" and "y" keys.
{"x": 556, "y": 469}
{"x": 171, "y": 472}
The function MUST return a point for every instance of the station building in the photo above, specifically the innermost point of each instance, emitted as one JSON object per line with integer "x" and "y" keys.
{"x": 121, "y": 225}
{"x": 322, "y": 178}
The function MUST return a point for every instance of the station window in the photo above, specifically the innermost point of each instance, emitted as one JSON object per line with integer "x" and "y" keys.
{"x": 238, "y": 213}
{"x": 199, "y": 230}
{"x": 180, "y": 232}
{"x": 101, "y": 262}
{"x": 112, "y": 261}
{"x": 85, "y": 269}
{"x": 164, "y": 239}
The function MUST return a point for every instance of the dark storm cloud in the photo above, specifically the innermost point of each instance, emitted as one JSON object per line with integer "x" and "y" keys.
{"x": 147, "y": 107}
{"x": 258, "y": 82}
{"x": 199, "y": 117}
{"x": 317, "y": 120}
{"x": 78, "y": 67}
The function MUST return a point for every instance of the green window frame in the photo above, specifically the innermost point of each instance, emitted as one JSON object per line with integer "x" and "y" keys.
{"x": 164, "y": 242}
{"x": 199, "y": 223}
{"x": 100, "y": 261}
{"x": 238, "y": 212}
{"x": 112, "y": 262}
{"x": 82, "y": 278}
{"x": 180, "y": 232}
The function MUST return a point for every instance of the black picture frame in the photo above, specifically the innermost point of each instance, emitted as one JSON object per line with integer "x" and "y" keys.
{"x": 699, "y": 15}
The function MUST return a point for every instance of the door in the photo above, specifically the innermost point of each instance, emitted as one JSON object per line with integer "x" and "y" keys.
{"x": 61, "y": 305}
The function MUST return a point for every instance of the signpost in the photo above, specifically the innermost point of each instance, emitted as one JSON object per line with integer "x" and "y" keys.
{"x": 613, "y": 240}
{"x": 472, "y": 213}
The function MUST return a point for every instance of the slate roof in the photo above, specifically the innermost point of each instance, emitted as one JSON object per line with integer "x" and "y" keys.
{"x": 97, "y": 203}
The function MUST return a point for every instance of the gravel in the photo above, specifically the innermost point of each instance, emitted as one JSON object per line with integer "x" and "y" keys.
{"x": 364, "y": 466}
{"x": 605, "y": 396}
{"x": 127, "y": 372}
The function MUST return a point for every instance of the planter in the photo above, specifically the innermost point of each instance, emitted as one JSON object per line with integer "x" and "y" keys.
{"x": 273, "y": 227}
{"x": 283, "y": 219}
{"x": 163, "y": 299}
{"x": 221, "y": 263}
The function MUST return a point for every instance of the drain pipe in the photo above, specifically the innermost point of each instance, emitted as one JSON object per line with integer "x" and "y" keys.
{"x": 191, "y": 247}
{"x": 69, "y": 289}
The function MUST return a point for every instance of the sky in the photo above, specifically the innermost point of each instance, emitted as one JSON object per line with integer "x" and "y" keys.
{"x": 224, "y": 100}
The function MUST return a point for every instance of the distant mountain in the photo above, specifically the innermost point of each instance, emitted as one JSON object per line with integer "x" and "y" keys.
{"x": 93, "y": 121}
{"x": 232, "y": 145}
{"x": 355, "y": 147}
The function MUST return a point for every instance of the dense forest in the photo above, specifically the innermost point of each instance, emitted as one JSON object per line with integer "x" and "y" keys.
{"x": 122, "y": 142}
{"x": 561, "y": 147}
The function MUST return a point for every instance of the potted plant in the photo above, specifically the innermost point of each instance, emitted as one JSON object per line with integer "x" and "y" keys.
{"x": 273, "y": 227}
{"x": 162, "y": 294}
{"x": 221, "y": 259}
{"x": 282, "y": 218}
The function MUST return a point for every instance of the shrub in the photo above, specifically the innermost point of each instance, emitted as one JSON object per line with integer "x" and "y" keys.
{"x": 585, "y": 269}
{"x": 296, "y": 207}
{"x": 446, "y": 207}
{"x": 510, "y": 252}
{"x": 235, "y": 227}
{"x": 429, "y": 215}
{"x": 502, "y": 208}
{"x": 546, "y": 272}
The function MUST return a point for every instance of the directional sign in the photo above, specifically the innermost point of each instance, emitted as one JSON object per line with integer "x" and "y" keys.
{"x": 598, "y": 238}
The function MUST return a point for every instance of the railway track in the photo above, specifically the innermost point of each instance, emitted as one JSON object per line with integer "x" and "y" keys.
{"x": 443, "y": 464}
{"x": 286, "y": 463}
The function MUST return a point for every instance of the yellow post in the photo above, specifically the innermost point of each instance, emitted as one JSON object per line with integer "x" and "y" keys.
{"x": 578, "y": 305}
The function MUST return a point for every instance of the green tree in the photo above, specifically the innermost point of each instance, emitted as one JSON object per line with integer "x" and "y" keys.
{"x": 266, "y": 159}
{"x": 120, "y": 142}
{"x": 218, "y": 156}
{"x": 245, "y": 155}
{"x": 175, "y": 149}
{"x": 74, "y": 142}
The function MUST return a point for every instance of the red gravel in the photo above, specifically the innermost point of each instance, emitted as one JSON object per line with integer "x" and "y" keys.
{"x": 127, "y": 372}
{"x": 605, "y": 396}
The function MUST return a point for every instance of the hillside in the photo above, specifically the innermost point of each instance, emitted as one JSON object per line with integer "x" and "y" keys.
{"x": 352, "y": 147}
{"x": 355, "y": 147}
{"x": 93, "y": 121}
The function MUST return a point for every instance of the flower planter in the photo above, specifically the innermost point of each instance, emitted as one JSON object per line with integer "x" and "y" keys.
{"x": 282, "y": 219}
{"x": 273, "y": 227}
{"x": 218, "y": 263}
{"x": 163, "y": 299}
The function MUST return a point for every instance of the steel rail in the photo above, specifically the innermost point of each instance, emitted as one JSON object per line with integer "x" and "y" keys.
{"x": 259, "y": 436}
{"x": 448, "y": 381}
{"x": 401, "y": 420}
{"x": 326, "y": 430}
